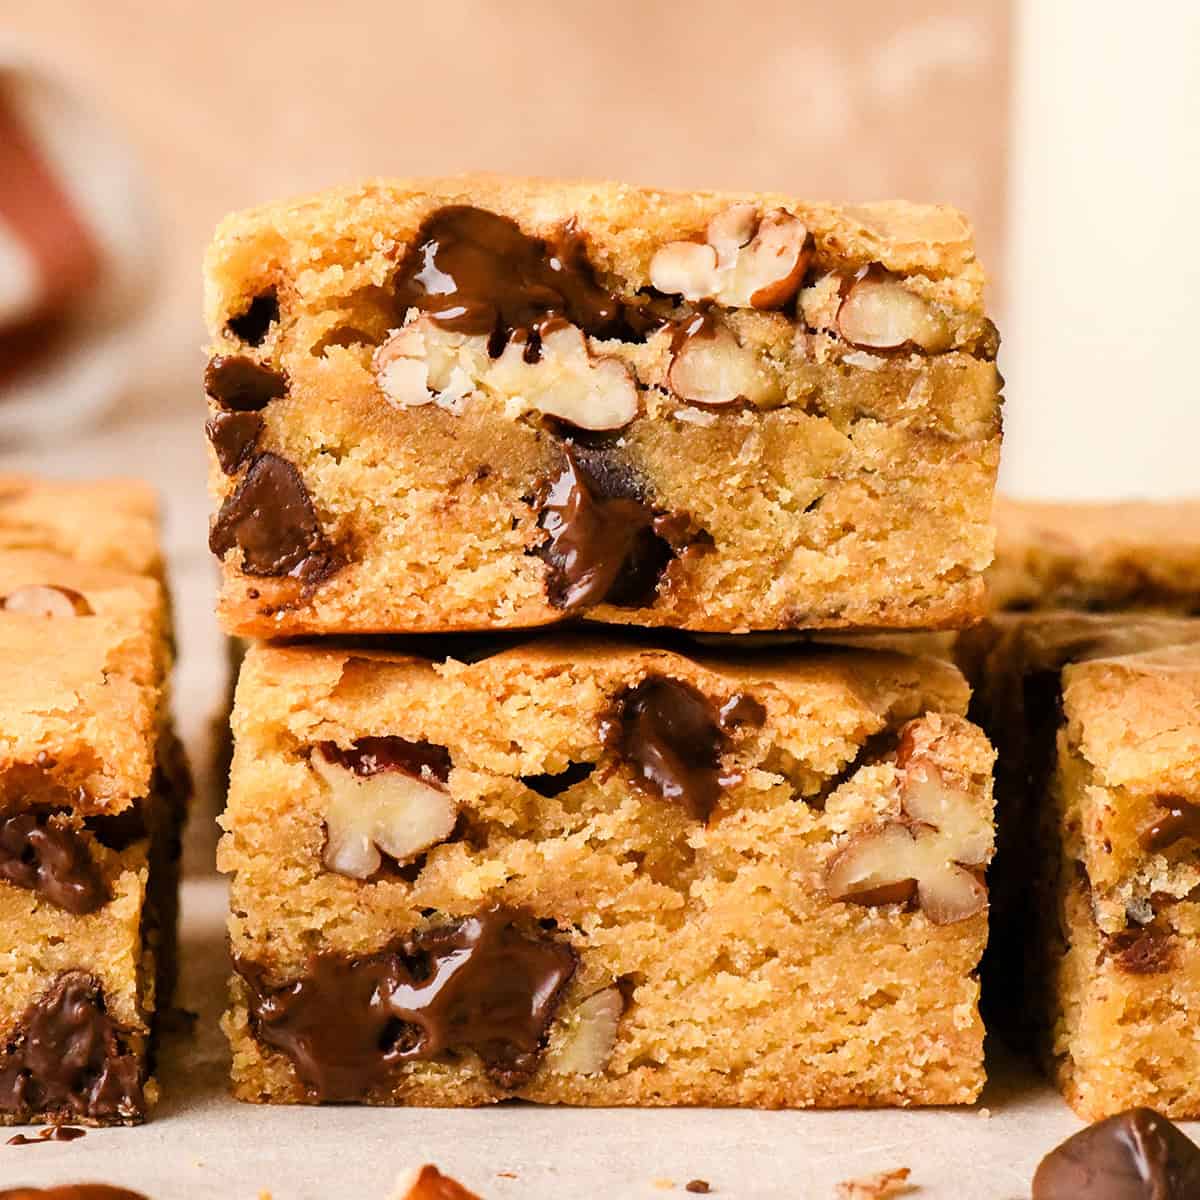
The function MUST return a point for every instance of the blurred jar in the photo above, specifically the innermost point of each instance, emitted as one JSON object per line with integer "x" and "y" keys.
{"x": 78, "y": 249}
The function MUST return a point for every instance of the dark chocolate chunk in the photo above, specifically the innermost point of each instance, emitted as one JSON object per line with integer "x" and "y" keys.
{"x": 1142, "y": 951}
{"x": 555, "y": 785}
{"x": 271, "y": 519}
{"x": 251, "y": 326}
{"x": 603, "y": 547}
{"x": 1136, "y": 1155}
{"x": 374, "y": 755}
{"x": 670, "y": 734}
{"x": 47, "y": 600}
{"x": 51, "y": 859}
{"x": 476, "y": 272}
{"x": 72, "y": 1191}
{"x": 1179, "y": 819}
{"x": 233, "y": 435}
{"x": 68, "y": 1058}
{"x": 478, "y": 984}
{"x": 240, "y": 384}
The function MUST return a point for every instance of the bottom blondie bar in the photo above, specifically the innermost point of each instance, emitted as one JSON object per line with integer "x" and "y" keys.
{"x": 592, "y": 873}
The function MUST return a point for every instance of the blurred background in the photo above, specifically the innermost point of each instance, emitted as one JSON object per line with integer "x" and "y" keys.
{"x": 1066, "y": 129}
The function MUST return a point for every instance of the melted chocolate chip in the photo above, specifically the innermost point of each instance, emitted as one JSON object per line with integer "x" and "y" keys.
{"x": 1179, "y": 819}
{"x": 669, "y": 733}
{"x": 1142, "y": 951}
{"x": 240, "y": 384}
{"x": 251, "y": 326}
{"x": 603, "y": 547}
{"x": 234, "y": 436}
{"x": 374, "y": 755}
{"x": 741, "y": 711}
{"x": 72, "y": 1191}
{"x": 555, "y": 785}
{"x": 52, "y": 860}
{"x": 67, "y": 1057}
{"x": 476, "y": 272}
{"x": 479, "y": 984}
{"x": 47, "y": 600}
{"x": 271, "y": 519}
{"x": 53, "y": 1133}
{"x": 1136, "y": 1155}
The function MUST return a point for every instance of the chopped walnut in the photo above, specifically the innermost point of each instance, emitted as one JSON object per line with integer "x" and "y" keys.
{"x": 714, "y": 368}
{"x": 428, "y": 1183}
{"x": 880, "y": 313}
{"x": 590, "y": 1035}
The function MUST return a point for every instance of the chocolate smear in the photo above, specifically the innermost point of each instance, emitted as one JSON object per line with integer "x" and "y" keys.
{"x": 51, "y": 859}
{"x": 234, "y": 436}
{"x": 478, "y": 984}
{"x": 1136, "y": 1155}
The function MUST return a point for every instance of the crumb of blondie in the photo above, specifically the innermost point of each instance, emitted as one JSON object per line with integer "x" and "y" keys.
{"x": 876, "y": 1187}
{"x": 428, "y": 1183}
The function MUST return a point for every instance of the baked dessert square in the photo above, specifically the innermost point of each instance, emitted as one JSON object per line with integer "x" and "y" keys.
{"x": 1097, "y": 881}
{"x": 93, "y": 792}
{"x": 106, "y": 522}
{"x": 589, "y": 872}
{"x": 480, "y": 403}
{"x": 1136, "y": 555}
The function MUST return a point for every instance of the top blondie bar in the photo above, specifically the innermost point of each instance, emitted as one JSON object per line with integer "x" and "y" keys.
{"x": 482, "y": 403}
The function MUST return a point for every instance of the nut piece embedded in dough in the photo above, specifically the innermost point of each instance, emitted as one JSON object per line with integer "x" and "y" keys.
{"x": 428, "y": 1183}
{"x": 928, "y": 854}
{"x": 424, "y": 364}
{"x": 567, "y": 381}
{"x": 590, "y": 1035}
{"x": 716, "y": 369}
{"x": 745, "y": 261}
{"x": 880, "y": 313}
{"x": 46, "y": 600}
{"x": 391, "y": 812}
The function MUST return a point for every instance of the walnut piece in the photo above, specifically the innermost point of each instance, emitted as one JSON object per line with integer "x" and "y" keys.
{"x": 391, "y": 812}
{"x": 746, "y": 261}
{"x": 928, "y": 854}
{"x": 46, "y": 600}
{"x": 424, "y": 364}
{"x": 590, "y": 1035}
{"x": 880, "y": 313}
{"x": 715, "y": 369}
{"x": 875, "y": 1187}
{"x": 428, "y": 1183}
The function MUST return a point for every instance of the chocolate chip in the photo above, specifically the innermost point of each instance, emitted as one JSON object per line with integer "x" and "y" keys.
{"x": 374, "y": 755}
{"x": 669, "y": 733}
{"x": 68, "y": 1058}
{"x": 555, "y": 785}
{"x": 699, "y": 1186}
{"x": 240, "y": 384}
{"x": 1142, "y": 951}
{"x": 51, "y": 859}
{"x": 234, "y": 436}
{"x": 47, "y": 600}
{"x": 1136, "y": 1155}
{"x": 271, "y": 519}
{"x": 251, "y": 326}
{"x": 603, "y": 548}
{"x": 475, "y": 272}
{"x": 1178, "y": 819}
{"x": 478, "y": 984}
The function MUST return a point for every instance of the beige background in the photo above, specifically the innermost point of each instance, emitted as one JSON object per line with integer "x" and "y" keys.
{"x": 235, "y": 103}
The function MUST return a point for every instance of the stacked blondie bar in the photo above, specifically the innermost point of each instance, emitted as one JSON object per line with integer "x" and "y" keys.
{"x": 601, "y": 866}
{"x": 94, "y": 793}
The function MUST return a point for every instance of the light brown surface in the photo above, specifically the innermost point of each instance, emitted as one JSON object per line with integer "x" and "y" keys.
{"x": 1135, "y": 555}
{"x": 835, "y": 1003}
{"x": 857, "y": 497}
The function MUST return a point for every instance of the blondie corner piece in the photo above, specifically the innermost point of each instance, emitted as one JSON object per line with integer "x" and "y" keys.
{"x": 582, "y": 872}
{"x": 474, "y": 403}
{"x": 1132, "y": 556}
{"x": 1097, "y": 723}
{"x": 93, "y": 793}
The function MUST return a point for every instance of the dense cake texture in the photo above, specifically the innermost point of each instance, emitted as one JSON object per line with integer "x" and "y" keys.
{"x": 1097, "y": 722}
{"x": 108, "y": 523}
{"x": 587, "y": 872}
{"x": 1137, "y": 555}
{"x": 93, "y": 792}
{"x": 478, "y": 403}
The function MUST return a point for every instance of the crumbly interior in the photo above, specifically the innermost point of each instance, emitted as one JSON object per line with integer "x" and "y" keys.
{"x": 1140, "y": 555}
{"x": 855, "y": 492}
{"x": 743, "y": 981}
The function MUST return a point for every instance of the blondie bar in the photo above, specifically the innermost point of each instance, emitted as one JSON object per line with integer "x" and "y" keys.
{"x": 1098, "y": 876}
{"x": 588, "y": 872}
{"x": 1101, "y": 557}
{"x": 476, "y": 403}
{"x": 92, "y": 796}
